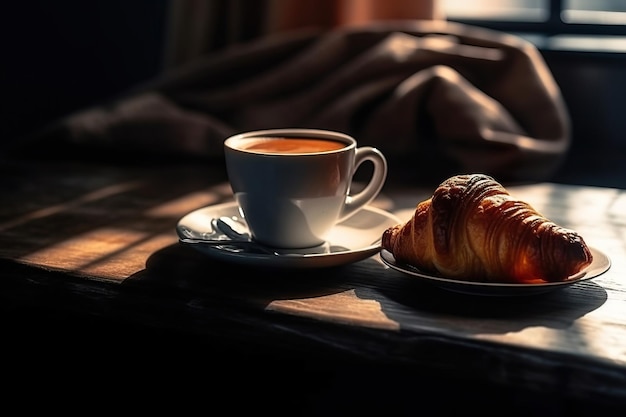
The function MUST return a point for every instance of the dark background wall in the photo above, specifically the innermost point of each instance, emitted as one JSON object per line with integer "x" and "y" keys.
{"x": 61, "y": 56}
{"x": 594, "y": 88}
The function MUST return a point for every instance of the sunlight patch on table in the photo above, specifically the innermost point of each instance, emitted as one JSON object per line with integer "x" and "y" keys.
{"x": 192, "y": 201}
{"x": 345, "y": 307}
{"x": 90, "y": 197}
{"x": 586, "y": 338}
{"x": 108, "y": 253}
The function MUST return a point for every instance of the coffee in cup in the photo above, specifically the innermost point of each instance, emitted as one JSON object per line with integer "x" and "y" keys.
{"x": 293, "y": 185}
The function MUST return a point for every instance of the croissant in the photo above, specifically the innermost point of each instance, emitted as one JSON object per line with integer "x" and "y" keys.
{"x": 472, "y": 229}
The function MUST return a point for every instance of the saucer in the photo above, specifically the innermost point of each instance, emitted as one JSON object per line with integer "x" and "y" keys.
{"x": 350, "y": 241}
{"x": 600, "y": 264}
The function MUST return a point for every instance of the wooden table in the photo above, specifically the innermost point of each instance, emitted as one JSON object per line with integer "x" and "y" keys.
{"x": 91, "y": 267}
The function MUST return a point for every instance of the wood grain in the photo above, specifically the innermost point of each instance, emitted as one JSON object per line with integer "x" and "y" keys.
{"x": 100, "y": 241}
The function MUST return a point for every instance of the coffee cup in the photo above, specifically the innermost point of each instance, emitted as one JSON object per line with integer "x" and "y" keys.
{"x": 294, "y": 185}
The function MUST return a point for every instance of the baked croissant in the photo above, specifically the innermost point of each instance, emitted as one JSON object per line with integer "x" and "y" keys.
{"x": 472, "y": 229}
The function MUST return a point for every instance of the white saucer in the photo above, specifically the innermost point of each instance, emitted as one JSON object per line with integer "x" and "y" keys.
{"x": 350, "y": 241}
{"x": 601, "y": 263}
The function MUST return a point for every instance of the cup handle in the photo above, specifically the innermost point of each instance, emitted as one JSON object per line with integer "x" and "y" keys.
{"x": 355, "y": 202}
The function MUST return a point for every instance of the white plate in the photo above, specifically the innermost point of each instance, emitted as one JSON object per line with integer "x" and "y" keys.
{"x": 601, "y": 263}
{"x": 350, "y": 241}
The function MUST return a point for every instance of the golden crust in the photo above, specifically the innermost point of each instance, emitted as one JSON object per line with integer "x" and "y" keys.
{"x": 473, "y": 229}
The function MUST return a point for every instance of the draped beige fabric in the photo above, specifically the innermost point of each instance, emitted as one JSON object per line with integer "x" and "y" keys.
{"x": 440, "y": 96}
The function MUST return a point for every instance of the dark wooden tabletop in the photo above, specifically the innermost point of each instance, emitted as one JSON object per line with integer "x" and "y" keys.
{"x": 91, "y": 266}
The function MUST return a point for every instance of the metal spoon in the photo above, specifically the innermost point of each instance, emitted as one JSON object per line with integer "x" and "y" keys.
{"x": 227, "y": 233}
{"x": 231, "y": 227}
{"x": 240, "y": 238}
{"x": 247, "y": 245}
{"x": 236, "y": 229}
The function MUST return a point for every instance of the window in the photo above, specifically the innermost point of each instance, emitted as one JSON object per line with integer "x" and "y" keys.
{"x": 590, "y": 17}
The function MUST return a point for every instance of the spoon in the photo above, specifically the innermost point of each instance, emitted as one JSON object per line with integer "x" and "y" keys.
{"x": 239, "y": 244}
{"x": 240, "y": 238}
{"x": 237, "y": 230}
{"x": 231, "y": 227}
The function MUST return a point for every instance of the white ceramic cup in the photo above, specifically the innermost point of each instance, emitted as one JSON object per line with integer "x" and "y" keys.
{"x": 292, "y": 197}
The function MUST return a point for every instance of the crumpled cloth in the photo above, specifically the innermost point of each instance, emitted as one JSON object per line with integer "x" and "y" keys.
{"x": 441, "y": 96}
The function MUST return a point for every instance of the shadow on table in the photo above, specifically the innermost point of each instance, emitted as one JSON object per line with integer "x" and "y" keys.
{"x": 558, "y": 308}
{"x": 181, "y": 267}
{"x": 402, "y": 298}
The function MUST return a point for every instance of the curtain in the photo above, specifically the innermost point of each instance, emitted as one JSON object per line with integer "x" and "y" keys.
{"x": 198, "y": 27}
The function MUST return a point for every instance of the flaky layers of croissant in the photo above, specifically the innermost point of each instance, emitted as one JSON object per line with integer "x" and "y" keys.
{"x": 472, "y": 229}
